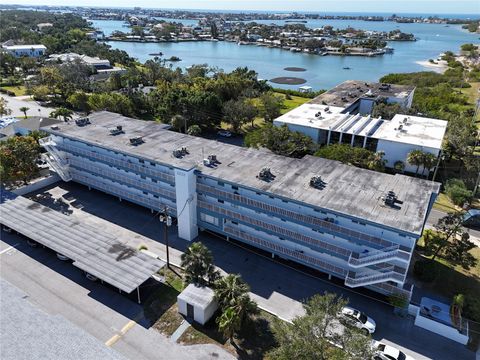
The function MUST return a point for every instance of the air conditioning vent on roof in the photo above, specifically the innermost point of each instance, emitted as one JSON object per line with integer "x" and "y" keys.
{"x": 82, "y": 121}
{"x": 265, "y": 174}
{"x": 116, "y": 131}
{"x": 317, "y": 182}
{"x": 136, "y": 140}
{"x": 389, "y": 198}
{"x": 179, "y": 153}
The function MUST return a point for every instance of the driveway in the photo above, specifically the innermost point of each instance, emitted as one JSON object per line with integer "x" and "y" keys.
{"x": 275, "y": 287}
{"x": 35, "y": 109}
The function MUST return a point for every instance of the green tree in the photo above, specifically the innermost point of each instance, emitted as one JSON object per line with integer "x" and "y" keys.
{"x": 24, "y": 109}
{"x": 4, "y": 109}
{"x": 194, "y": 130}
{"x": 281, "y": 141}
{"x": 113, "y": 102}
{"x": 376, "y": 161}
{"x": 450, "y": 226}
{"x": 458, "y": 252}
{"x": 197, "y": 262}
{"x": 229, "y": 323}
{"x": 428, "y": 162}
{"x": 456, "y": 190}
{"x": 399, "y": 166}
{"x": 62, "y": 112}
{"x": 178, "y": 122}
{"x": 79, "y": 101}
{"x": 17, "y": 158}
{"x": 271, "y": 106}
{"x": 415, "y": 158}
{"x": 310, "y": 336}
{"x": 232, "y": 292}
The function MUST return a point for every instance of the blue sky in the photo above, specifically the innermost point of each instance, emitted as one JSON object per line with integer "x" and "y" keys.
{"x": 389, "y": 6}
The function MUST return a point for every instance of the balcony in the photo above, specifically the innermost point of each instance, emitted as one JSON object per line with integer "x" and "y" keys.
{"x": 344, "y": 253}
{"x": 117, "y": 176}
{"x": 307, "y": 219}
{"x": 58, "y": 167}
{"x": 143, "y": 200}
{"x": 110, "y": 160}
{"x": 293, "y": 254}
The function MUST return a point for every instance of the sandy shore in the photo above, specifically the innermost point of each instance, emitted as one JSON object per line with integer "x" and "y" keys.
{"x": 439, "y": 66}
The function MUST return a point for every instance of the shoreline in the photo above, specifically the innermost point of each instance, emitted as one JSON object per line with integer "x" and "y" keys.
{"x": 440, "y": 66}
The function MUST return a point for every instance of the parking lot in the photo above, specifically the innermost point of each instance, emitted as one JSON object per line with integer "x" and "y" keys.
{"x": 275, "y": 287}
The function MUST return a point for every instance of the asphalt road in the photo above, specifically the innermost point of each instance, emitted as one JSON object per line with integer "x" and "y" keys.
{"x": 435, "y": 215}
{"x": 61, "y": 290}
{"x": 275, "y": 287}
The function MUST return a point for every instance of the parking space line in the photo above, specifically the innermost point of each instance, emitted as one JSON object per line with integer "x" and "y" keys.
{"x": 124, "y": 330}
{"x": 8, "y": 249}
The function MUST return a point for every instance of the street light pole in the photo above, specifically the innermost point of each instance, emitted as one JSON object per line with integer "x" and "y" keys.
{"x": 167, "y": 222}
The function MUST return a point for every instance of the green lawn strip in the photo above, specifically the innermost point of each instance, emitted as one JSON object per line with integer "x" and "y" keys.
{"x": 18, "y": 90}
{"x": 443, "y": 203}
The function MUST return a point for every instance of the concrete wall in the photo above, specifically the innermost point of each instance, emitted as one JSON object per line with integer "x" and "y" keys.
{"x": 397, "y": 151}
{"x": 37, "y": 185}
{"x": 441, "y": 329}
{"x": 200, "y": 316}
{"x": 185, "y": 186}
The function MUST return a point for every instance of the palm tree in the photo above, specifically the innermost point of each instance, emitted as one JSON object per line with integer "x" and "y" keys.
{"x": 24, "y": 109}
{"x": 377, "y": 162}
{"x": 197, "y": 262}
{"x": 415, "y": 158}
{"x": 232, "y": 292}
{"x": 228, "y": 324}
{"x": 429, "y": 161}
{"x": 62, "y": 112}
{"x": 399, "y": 166}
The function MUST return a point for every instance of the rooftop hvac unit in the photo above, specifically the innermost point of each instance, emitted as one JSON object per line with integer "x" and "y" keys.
{"x": 384, "y": 87}
{"x": 405, "y": 120}
{"x": 82, "y": 121}
{"x": 136, "y": 140}
{"x": 265, "y": 174}
{"x": 116, "y": 130}
{"x": 178, "y": 153}
{"x": 389, "y": 198}
{"x": 54, "y": 127}
{"x": 318, "y": 114}
{"x": 317, "y": 182}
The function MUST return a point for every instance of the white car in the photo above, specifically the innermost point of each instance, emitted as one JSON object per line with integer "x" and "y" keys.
{"x": 224, "y": 133}
{"x": 388, "y": 352}
{"x": 358, "y": 319}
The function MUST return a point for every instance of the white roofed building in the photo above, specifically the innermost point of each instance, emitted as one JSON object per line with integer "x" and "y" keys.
{"x": 25, "y": 50}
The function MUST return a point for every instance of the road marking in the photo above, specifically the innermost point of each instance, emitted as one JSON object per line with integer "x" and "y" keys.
{"x": 8, "y": 249}
{"x": 124, "y": 330}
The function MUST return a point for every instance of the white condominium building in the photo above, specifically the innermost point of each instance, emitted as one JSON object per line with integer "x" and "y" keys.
{"x": 357, "y": 225}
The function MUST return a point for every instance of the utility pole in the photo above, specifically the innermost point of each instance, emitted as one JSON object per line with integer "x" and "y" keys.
{"x": 166, "y": 220}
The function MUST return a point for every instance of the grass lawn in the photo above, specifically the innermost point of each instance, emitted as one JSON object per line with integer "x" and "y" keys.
{"x": 161, "y": 307}
{"x": 473, "y": 94}
{"x": 254, "y": 340}
{"x": 443, "y": 203}
{"x": 18, "y": 90}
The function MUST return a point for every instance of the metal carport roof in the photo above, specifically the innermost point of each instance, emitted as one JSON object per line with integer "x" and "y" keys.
{"x": 90, "y": 249}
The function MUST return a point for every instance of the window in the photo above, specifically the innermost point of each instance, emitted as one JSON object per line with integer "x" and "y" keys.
{"x": 285, "y": 201}
{"x": 234, "y": 187}
{"x": 155, "y": 181}
{"x": 271, "y": 197}
{"x": 145, "y": 193}
{"x": 143, "y": 177}
{"x": 220, "y": 201}
{"x": 258, "y": 193}
{"x": 141, "y": 161}
{"x": 155, "y": 196}
{"x": 220, "y": 183}
{"x": 152, "y": 163}
{"x": 234, "y": 222}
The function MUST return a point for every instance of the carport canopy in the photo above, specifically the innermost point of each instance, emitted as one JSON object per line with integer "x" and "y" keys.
{"x": 90, "y": 249}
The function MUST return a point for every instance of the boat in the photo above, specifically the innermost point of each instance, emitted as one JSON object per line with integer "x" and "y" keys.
{"x": 346, "y": 68}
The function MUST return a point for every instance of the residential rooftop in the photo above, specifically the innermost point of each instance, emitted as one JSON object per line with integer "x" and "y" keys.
{"x": 25, "y": 47}
{"x": 349, "y": 190}
{"x": 402, "y": 128}
{"x": 346, "y": 93}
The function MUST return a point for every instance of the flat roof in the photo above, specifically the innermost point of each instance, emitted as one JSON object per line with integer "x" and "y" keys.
{"x": 24, "y": 47}
{"x": 199, "y": 296}
{"x": 89, "y": 248}
{"x": 349, "y": 190}
{"x": 415, "y": 130}
{"x": 346, "y": 93}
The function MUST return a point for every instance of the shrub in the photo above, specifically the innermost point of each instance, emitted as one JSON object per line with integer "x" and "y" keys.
{"x": 425, "y": 270}
{"x": 471, "y": 307}
{"x": 457, "y": 191}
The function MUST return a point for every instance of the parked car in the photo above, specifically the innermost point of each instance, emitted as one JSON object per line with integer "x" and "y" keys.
{"x": 471, "y": 219}
{"x": 388, "y": 352}
{"x": 91, "y": 277}
{"x": 62, "y": 257}
{"x": 356, "y": 318}
{"x": 224, "y": 133}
